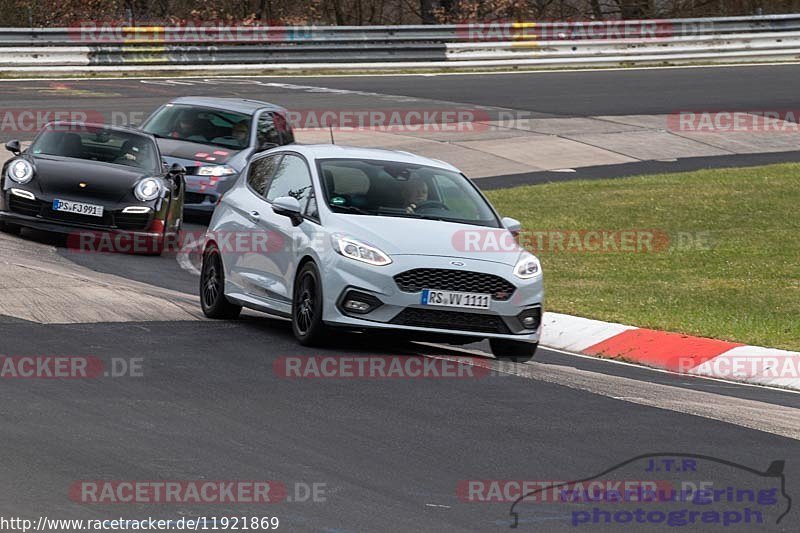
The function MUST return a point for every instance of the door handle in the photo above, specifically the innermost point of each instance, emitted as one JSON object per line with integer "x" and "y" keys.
{"x": 255, "y": 215}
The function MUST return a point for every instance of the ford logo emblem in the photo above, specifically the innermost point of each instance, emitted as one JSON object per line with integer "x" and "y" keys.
{"x": 457, "y": 263}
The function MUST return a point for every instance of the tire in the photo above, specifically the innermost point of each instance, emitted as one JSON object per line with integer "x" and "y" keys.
{"x": 307, "y": 322}
{"x": 516, "y": 351}
{"x": 212, "y": 287}
{"x": 11, "y": 229}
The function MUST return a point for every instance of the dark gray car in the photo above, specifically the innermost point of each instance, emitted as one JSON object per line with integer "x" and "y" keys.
{"x": 213, "y": 138}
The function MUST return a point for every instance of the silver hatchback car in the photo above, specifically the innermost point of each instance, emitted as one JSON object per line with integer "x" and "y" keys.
{"x": 336, "y": 236}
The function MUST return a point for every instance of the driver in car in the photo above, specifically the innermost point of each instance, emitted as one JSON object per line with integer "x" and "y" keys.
{"x": 185, "y": 128}
{"x": 415, "y": 192}
{"x": 132, "y": 153}
{"x": 240, "y": 136}
{"x": 241, "y": 132}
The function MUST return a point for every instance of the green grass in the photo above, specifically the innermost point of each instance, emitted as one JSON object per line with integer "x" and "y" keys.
{"x": 744, "y": 286}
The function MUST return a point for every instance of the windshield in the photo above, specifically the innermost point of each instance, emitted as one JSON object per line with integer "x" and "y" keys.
{"x": 97, "y": 143}
{"x": 201, "y": 125}
{"x": 392, "y": 189}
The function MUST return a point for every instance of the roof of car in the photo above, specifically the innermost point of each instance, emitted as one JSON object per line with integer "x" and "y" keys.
{"x": 239, "y": 105}
{"x": 337, "y": 151}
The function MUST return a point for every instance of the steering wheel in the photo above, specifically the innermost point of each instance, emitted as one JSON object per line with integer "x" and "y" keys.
{"x": 122, "y": 160}
{"x": 431, "y": 204}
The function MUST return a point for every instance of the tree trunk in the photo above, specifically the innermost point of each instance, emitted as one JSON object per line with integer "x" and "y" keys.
{"x": 597, "y": 11}
{"x": 426, "y": 10}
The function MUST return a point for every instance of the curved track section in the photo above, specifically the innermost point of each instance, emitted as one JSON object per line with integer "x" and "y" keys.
{"x": 182, "y": 398}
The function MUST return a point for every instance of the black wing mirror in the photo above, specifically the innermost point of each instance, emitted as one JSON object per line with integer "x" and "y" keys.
{"x": 14, "y": 147}
{"x": 177, "y": 169}
{"x": 266, "y": 145}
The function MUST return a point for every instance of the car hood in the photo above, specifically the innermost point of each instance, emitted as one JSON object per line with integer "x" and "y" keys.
{"x": 413, "y": 236}
{"x": 192, "y": 154}
{"x": 104, "y": 181}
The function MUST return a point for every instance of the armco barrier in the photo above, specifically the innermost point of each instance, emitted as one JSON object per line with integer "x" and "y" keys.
{"x": 104, "y": 48}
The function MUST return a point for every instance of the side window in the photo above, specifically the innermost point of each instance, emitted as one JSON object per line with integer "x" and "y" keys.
{"x": 273, "y": 128}
{"x": 261, "y": 170}
{"x": 292, "y": 179}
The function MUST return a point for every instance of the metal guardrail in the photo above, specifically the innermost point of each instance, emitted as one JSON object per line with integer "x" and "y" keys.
{"x": 197, "y": 47}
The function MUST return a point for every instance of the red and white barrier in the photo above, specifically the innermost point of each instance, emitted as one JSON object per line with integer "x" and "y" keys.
{"x": 673, "y": 351}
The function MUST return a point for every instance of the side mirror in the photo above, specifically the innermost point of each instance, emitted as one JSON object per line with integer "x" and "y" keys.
{"x": 14, "y": 147}
{"x": 177, "y": 169}
{"x": 264, "y": 146}
{"x": 288, "y": 207}
{"x": 513, "y": 225}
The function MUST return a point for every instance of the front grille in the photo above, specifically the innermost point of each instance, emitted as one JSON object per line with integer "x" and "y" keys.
{"x": 132, "y": 221}
{"x": 454, "y": 320}
{"x": 454, "y": 280}
{"x": 24, "y": 206}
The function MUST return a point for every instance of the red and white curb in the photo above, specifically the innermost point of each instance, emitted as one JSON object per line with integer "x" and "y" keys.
{"x": 672, "y": 351}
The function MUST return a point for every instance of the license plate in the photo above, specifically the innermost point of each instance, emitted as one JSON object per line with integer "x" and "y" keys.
{"x": 467, "y": 300}
{"x": 68, "y": 206}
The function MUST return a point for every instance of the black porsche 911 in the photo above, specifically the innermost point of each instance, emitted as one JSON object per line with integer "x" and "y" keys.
{"x": 108, "y": 185}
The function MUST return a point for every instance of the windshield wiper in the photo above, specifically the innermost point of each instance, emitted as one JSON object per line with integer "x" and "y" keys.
{"x": 352, "y": 209}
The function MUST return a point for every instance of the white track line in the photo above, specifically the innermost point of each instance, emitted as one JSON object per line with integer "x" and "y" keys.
{"x": 481, "y": 353}
{"x": 428, "y": 74}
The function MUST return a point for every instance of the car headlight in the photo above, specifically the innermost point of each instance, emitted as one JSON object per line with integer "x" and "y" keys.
{"x": 216, "y": 170}
{"x": 20, "y": 171}
{"x": 527, "y": 267}
{"x": 359, "y": 251}
{"x": 148, "y": 189}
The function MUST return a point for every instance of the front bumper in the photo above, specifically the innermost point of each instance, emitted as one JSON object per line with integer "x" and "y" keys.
{"x": 203, "y": 192}
{"x": 404, "y": 311}
{"x": 67, "y": 228}
{"x": 37, "y": 213}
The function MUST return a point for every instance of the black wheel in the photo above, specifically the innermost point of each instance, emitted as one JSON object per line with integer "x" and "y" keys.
{"x": 11, "y": 229}
{"x": 212, "y": 287}
{"x": 517, "y": 351}
{"x": 307, "y": 322}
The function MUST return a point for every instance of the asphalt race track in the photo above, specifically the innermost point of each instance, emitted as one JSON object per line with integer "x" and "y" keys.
{"x": 574, "y": 94}
{"x": 386, "y": 454}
